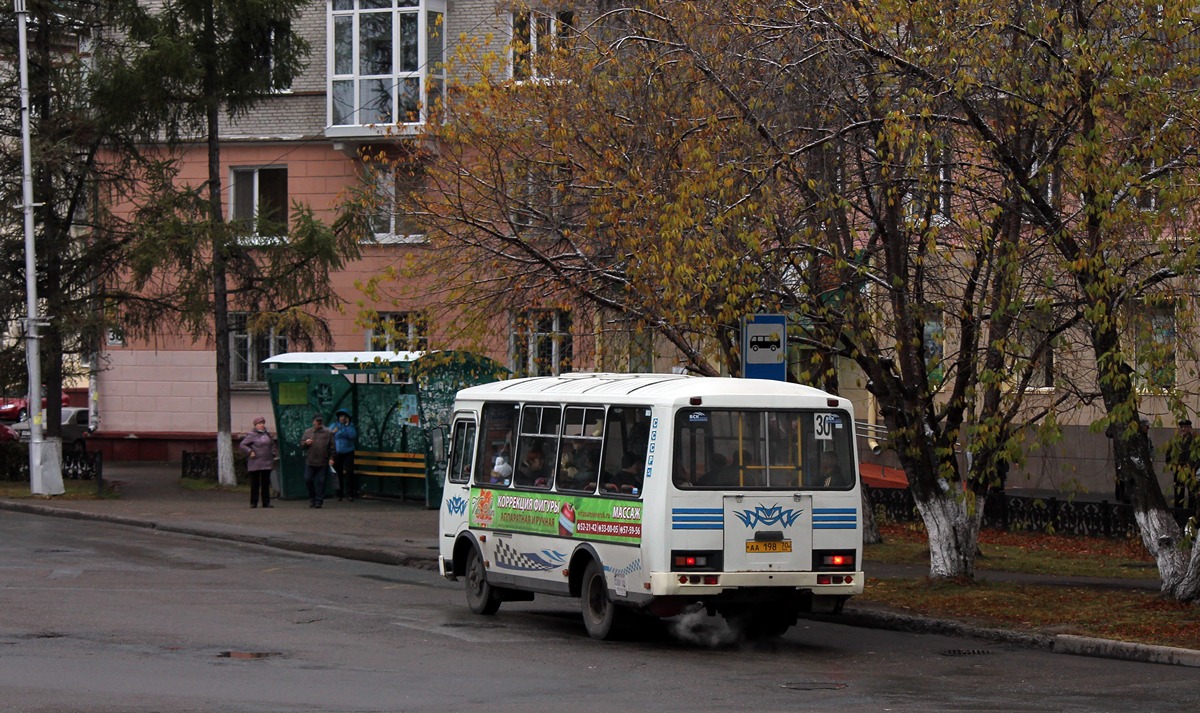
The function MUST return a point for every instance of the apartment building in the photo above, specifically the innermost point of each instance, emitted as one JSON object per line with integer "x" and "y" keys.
{"x": 374, "y": 65}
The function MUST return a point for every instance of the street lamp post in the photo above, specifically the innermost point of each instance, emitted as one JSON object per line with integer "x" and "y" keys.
{"x": 45, "y": 469}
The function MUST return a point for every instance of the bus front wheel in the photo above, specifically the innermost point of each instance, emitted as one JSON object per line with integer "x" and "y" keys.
{"x": 599, "y": 612}
{"x": 482, "y": 597}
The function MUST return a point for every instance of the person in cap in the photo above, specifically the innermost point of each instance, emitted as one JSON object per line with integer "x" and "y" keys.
{"x": 1182, "y": 462}
{"x": 317, "y": 444}
{"x": 259, "y": 447}
{"x": 345, "y": 437}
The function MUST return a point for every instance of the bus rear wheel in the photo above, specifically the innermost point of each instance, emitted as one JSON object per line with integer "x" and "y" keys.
{"x": 599, "y": 611}
{"x": 482, "y": 597}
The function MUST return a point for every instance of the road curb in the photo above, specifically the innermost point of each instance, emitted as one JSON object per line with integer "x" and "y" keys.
{"x": 1106, "y": 648}
{"x": 872, "y": 618}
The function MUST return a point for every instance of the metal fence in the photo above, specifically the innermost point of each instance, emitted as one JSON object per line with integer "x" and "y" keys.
{"x": 203, "y": 466}
{"x": 76, "y": 465}
{"x": 1028, "y": 514}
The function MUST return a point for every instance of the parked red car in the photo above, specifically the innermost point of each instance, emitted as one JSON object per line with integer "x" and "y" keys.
{"x": 16, "y": 408}
{"x": 7, "y": 434}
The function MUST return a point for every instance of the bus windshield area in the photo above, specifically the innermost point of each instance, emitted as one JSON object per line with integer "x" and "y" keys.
{"x": 721, "y": 449}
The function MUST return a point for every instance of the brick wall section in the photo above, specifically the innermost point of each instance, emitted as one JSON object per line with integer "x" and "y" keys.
{"x": 299, "y": 113}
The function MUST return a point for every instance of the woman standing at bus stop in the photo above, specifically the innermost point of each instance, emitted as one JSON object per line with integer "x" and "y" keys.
{"x": 260, "y": 447}
{"x": 345, "y": 436}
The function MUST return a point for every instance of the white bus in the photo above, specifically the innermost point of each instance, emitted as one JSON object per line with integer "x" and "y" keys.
{"x": 654, "y": 492}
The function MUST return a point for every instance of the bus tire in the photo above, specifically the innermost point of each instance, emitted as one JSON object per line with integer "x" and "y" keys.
{"x": 599, "y": 611}
{"x": 482, "y": 597}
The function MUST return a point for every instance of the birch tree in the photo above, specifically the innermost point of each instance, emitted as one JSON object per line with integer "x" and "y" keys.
{"x": 1105, "y": 93}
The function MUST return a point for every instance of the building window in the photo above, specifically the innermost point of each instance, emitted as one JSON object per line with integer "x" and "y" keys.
{"x": 933, "y": 340}
{"x": 1034, "y": 349}
{"x": 534, "y": 36}
{"x": 1154, "y": 347}
{"x": 260, "y": 200}
{"x": 268, "y": 46}
{"x": 247, "y": 350}
{"x": 399, "y": 332}
{"x": 386, "y": 60}
{"x": 391, "y": 222}
{"x": 542, "y": 344}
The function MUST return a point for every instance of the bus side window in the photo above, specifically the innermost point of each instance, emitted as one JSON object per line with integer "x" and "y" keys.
{"x": 493, "y": 459}
{"x": 459, "y": 470}
{"x": 626, "y": 442}
{"x": 579, "y": 462}
{"x": 537, "y": 448}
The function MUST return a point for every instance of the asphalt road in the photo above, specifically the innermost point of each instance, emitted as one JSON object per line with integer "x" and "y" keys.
{"x": 99, "y": 618}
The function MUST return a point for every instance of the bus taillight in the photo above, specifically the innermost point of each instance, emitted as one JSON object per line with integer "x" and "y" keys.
{"x": 696, "y": 559}
{"x": 833, "y": 560}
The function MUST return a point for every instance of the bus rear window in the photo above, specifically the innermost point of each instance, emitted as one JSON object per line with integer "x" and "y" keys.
{"x": 742, "y": 449}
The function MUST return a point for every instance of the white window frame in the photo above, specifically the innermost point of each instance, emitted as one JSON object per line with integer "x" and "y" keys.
{"x": 413, "y": 323}
{"x": 1165, "y": 335}
{"x": 383, "y": 182}
{"x": 245, "y": 361}
{"x": 526, "y": 337}
{"x": 534, "y": 18}
{"x": 429, "y": 72}
{"x": 255, "y": 172}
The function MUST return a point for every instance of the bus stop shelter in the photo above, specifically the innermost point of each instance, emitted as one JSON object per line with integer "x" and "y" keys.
{"x": 398, "y": 400}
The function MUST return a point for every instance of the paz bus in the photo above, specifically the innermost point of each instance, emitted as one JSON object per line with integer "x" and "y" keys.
{"x": 654, "y": 493}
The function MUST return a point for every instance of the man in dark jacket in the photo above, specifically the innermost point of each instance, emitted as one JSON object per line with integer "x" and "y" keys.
{"x": 317, "y": 443}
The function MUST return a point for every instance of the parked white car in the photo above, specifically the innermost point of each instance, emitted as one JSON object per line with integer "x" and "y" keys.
{"x": 75, "y": 428}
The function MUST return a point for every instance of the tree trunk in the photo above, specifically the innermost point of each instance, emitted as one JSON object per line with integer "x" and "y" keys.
{"x": 225, "y": 474}
{"x": 953, "y": 527}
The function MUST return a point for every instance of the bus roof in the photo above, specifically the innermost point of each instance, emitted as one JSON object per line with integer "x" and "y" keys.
{"x": 342, "y": 357}
{"x": 631, "y": 388}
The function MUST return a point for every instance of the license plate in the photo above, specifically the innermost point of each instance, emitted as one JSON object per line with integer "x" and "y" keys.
{"x": 771, "y": 546}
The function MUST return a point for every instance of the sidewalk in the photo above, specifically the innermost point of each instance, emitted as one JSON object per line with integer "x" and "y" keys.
{"x": 405, "y": 533}
{"x": 375, "y": 530}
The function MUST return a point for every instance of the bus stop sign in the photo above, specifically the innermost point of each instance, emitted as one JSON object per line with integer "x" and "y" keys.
{"x": 764, "y": 347}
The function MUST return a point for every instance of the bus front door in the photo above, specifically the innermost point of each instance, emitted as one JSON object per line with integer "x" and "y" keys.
{"x": 456, "y": 497}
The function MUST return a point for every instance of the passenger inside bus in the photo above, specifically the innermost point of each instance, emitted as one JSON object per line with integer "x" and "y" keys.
{"x": 532, "y": 469}
{"x": 501, "y": 471}
{"x": 578, "y": 469}
{"x": 629, "y": 478}
{"x": 715, "y": 471}
{"x": 829, "y": 471}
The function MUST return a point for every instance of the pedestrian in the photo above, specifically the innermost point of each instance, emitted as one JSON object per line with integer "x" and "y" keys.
{"x": 317, "y": 443}
{"x": 345, "y": 437}
{"x": 1181, "y": 462}
{"x": 260, "y": 447}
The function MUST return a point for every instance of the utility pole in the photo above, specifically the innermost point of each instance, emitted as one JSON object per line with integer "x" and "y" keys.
{"x": 45, "y": 459}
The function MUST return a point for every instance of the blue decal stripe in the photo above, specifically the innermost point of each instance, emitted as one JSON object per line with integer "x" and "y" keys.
{"x": 832, "y": 526}
{"x": 835, "y": 518}
{"x": 696, "y": 518}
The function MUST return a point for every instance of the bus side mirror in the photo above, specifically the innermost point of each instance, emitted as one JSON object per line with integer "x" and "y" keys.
{"x": 437, "y": 440}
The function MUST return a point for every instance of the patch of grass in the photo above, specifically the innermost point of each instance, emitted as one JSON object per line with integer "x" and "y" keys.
{"x": 75, "y": 490}
{"x": 1028, "y": 552}
{"x": 1112, "y": 613}
{"x": 1124, "y": 615}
